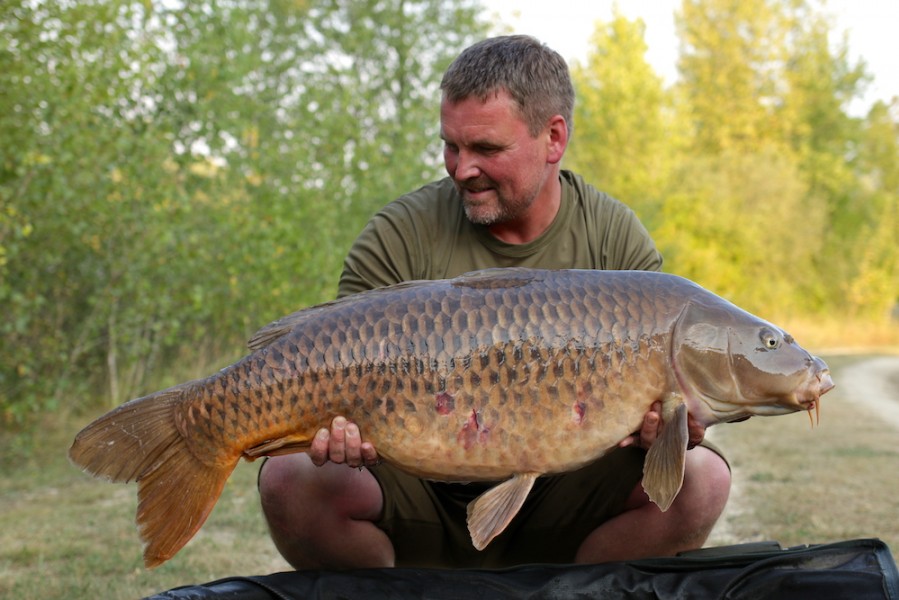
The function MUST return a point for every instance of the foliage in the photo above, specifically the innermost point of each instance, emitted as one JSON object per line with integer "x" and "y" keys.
{"x": 750, "y": 172}
{"x": 174, "y": 175}
{"x": 626, "y": 151}
{"x": 731, "y": 54}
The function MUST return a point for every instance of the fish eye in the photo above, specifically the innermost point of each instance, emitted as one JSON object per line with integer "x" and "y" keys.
{"x": 770, "y": 339}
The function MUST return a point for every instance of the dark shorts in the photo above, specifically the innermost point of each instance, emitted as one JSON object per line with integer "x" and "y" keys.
{"x": 426, "y": 520}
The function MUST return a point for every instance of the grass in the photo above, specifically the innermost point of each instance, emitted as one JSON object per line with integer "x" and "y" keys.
{"x": 63, "y": 534}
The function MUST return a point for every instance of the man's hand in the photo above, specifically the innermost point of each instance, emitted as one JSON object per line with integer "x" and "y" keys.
{"x": 342, "y": 444}
{"x": 652, "y": 426}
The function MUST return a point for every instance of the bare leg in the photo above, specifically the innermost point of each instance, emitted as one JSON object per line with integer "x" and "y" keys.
{"x": 322, "y": 517}
{"x": 642, "y": 530}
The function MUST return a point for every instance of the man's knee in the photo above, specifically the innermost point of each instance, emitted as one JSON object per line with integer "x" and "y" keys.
{"x": 279, "y": 475}
{"x": 710, "y": 473}
{"x": 706, "y": 487}
{"x": 286, "y": 482}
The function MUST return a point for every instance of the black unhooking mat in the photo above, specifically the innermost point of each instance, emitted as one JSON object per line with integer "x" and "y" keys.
{"x": 863, "y": 569}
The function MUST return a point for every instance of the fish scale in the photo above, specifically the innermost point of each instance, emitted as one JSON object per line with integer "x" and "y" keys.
{"x": 503, "y": 374}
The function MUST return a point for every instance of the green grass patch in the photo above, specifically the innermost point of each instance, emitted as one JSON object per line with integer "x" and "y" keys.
{"x": 66, "y": 535}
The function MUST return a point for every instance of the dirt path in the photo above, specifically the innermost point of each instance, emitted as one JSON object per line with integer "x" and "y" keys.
{"x": 874, "y": 383}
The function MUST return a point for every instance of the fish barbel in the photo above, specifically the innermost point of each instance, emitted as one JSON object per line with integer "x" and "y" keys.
{"x": 502, "y": 374}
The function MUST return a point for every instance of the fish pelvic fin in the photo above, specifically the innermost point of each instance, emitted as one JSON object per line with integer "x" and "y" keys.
{"x": 139, "y": 441}
{"x": 663, "y": 469}
{"x": 491, "y": 512}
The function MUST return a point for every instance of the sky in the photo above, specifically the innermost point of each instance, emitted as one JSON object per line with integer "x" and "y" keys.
{"x": 566, "y": 26}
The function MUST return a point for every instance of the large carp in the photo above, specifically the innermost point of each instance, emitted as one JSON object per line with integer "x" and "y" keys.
{"x": 503, "y": 374}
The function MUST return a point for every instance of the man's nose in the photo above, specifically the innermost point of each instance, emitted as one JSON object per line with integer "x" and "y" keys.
{"x": 467, "y": 166}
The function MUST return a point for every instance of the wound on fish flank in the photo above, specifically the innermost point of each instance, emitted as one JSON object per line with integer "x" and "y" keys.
{"x": 578, "y": 412}
{"x": 555, "y": 369}
{"x": 445, "y": 404}
{"x": 473, "y": 432}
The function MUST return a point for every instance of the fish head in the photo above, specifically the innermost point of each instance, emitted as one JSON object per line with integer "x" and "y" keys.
{"x": 731, "y": 365}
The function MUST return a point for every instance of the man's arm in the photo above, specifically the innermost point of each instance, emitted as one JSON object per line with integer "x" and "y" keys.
{"x": 388, "y": 251}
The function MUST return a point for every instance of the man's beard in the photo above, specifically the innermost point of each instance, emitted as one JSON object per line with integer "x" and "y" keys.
{"x": 494, "y": 211}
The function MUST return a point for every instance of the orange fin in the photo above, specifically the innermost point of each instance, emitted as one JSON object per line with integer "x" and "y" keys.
{"x": 663, "y": 469}
{"x": 491, "y": 512}
{"x": 174, "y": 502}
{"x": 288, "y": 444}
{"x": 139, "y": 441}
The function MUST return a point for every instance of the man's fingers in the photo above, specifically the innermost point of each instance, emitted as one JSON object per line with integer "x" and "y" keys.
{"x": 695, "y": 431}
{"x": 337, "y": 443}
{"x": 652, "y": 425}
{"x": 318, "y": 451}
{"x": 342, "y": 443}
{"x": 369, "y": 454}
{"x": 650, "y": 429}
{"x": 353, "y": 445}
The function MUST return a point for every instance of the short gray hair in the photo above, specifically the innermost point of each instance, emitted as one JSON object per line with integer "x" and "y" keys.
{"x": 534, "y": 75}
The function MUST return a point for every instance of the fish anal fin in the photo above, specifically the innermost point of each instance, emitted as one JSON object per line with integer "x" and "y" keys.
{"x": 663, "y": 469}
{"x": 288, "y": 444}
{"x": 491, "y": 512}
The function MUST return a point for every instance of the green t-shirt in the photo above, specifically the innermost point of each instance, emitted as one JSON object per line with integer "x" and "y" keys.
{"x": 426, "y": 235}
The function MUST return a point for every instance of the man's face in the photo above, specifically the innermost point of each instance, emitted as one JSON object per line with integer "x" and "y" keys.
{"x": 498, "y": 167}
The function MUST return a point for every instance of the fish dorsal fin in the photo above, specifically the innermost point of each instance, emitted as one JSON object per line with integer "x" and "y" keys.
{"x": 277, "y": 329}
{"x": 663, "y": 470}
{"x": 491, "y": 512}
{"x": 497, "y": 278}
{"x": 283, "y": 326}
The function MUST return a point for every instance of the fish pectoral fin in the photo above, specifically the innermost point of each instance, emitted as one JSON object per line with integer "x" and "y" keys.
{"x": 289, "y": 444}
{"x": 491, "y": 512}
{"x": 663, "y": 469}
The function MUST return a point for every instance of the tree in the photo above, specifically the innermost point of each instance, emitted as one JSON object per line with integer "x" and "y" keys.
{"x": 821, "y": 83}
{"x": 737, "y": 224}
{"x": 763, "y": 81}
{"x": 732, "y": 52}
{"x": 623, "y": 124}
{"x": 174, "y": 175}
{"x": 873, "y": 286}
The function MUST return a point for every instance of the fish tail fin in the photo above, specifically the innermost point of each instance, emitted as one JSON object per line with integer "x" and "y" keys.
{"x": 140, "y": 441}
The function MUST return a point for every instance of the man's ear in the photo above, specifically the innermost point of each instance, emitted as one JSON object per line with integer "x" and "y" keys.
{"x": 557, "y": 139}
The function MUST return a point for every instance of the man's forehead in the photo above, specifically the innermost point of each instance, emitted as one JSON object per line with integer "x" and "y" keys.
{"x": 480, "y": 129}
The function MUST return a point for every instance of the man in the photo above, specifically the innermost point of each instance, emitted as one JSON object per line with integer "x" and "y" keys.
{"x": 505, "y": 121}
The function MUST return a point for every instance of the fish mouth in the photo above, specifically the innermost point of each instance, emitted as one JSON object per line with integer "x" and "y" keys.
{"x": 812, "y": 402}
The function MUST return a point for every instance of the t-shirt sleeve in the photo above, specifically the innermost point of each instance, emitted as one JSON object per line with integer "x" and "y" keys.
{"x": 616, "y": 238}
{"x": 383, "y": 254}
{"x": 629, "y": 246}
